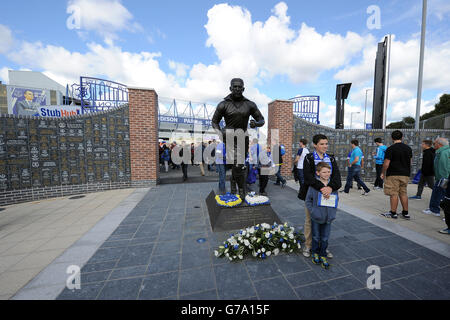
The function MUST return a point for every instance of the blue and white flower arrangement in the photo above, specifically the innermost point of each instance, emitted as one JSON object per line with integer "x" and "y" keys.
{"x": 256, "y": 200}
{"x": 261, "y": 241}
{"x": 228, "y": 200}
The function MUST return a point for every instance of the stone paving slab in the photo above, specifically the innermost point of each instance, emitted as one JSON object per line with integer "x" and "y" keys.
{"x": 52, "y": 275}
{"x": 33, "y": 234}
{"x": 154, "y": 254}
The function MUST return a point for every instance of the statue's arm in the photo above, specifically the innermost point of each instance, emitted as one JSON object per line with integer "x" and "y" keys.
{"x": 257, "y": 115}
{"x": 217, "y": 117}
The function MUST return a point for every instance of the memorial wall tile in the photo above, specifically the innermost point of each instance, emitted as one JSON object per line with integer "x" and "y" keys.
{"x": 50, "y": 152}
{"x": 339, "y": 143}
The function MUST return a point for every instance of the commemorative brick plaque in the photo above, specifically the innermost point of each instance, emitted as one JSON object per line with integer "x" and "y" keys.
{"x": 44, "y": 152}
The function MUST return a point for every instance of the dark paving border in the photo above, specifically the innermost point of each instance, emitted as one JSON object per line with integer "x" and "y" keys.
{"x": 153, "y": 254}
{"x": 49, "y": 283}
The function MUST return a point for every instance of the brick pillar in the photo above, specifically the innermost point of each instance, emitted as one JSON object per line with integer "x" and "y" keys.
{"x": 281, "y": 117}
{"x": 144, "y": 151}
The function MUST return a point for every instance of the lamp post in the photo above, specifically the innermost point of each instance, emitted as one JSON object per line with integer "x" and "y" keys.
{"x": 365, "y": 107}
{"x": 351, "y": 118}
{"x": 422, "y": 50}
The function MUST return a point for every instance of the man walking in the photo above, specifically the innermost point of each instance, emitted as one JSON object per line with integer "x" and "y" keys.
{"x": 300, "y": 158}
{"x": 441, "y": 171}
{"x": 279, "y": 164}
{"x": 354, "y": 169}
{"x": 379, "y": 159}
{"x": 397, "y": 170}
{"x": 427, "y": 169}
{"x": 184, "y": 165}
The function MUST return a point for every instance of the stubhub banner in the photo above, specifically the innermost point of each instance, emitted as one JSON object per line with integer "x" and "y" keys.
{"x": 59, "y": 111}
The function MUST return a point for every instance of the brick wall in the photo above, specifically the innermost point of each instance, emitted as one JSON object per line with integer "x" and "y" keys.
{"x": 144, "y": 152}
{"x": 281, "y": 117}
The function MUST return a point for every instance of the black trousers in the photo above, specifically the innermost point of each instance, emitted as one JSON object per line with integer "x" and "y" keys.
{"x": 184, "y": 168}
{"x": 238, "y": 177}
{"x": 428, "y": 180}
{"x": 263, "y": 180}
{"x": 379, "y": 181}
{"x": 445, "y": 205}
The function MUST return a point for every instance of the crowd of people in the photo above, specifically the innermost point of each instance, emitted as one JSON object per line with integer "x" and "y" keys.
{"x": 318, "y": 175}
{"x": 257, "y": 159}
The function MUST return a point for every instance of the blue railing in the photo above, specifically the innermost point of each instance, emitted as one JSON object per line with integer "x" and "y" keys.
{"x": 307, "y": 107}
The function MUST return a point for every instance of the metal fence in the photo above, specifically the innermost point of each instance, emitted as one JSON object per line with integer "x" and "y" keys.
{"x": 441, "y": 121}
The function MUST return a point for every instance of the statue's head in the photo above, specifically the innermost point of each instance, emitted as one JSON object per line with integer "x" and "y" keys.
{"x": 237, "y": 88}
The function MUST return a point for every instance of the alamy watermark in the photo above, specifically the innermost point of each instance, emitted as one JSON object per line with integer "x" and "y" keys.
{"x": 374, "y": 280}
{"x": 374, "y": 20}
{"x": 74, "y": 20}
{"x": 74, "y": 279}
{"x": 235, "y": 149}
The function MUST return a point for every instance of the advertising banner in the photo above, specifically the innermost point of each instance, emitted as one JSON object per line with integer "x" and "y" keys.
{"x": 59, "y": 111}
{"x": 25, "y": 101}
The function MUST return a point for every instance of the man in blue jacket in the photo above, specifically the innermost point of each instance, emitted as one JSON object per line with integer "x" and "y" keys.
{"x": 379, "y": 160}
{"x": 355, "y": 168}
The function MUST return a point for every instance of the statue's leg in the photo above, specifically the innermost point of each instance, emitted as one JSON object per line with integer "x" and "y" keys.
{"x": 240, "y": 178}
{"x": 233, "y": 181}
{"x": 241, "y": 172}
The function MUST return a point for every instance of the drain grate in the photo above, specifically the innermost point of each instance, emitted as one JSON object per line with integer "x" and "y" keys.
{"x": 76, "y": 197}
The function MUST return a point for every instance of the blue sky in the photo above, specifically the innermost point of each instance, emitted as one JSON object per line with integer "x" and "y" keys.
{"x": 185, "y": 49}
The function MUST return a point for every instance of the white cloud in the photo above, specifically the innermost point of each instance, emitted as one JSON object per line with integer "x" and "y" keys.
{"x": 439, "y": 8}
{"x": 403, "y": 76}
{"x": 6, "y": 39}
{"x": 252, "y": 50}
{"x": 404, "y": 66}
{"x": 361, "y": 73}
{"x": 327, "y": 116}
{"x": 4, "y": 75}
{"x": 407, "y": 108}
{"x": 179, "y": 68}
{"x": 106, "y": 17}
{"x": 273, "y": 48}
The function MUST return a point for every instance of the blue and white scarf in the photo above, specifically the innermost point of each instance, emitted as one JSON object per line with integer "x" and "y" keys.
{"x": 326, "y": 158}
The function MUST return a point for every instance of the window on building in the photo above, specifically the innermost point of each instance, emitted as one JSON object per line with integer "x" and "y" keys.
{"x": 3, "y": 99}
{"x": 53, "y": 101}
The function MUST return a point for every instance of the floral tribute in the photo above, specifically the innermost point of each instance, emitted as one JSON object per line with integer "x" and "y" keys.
{"x": 256, "y": 200}
{"x": 228, "y": 200}
{"x": 261, "y": 241}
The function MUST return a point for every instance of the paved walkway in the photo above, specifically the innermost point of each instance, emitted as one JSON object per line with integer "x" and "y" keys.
{"x": 193, "y": 172}
{"x": 154, "y": 254}
{"x": 33, "y": 234}
{"x": 376, "y": 202}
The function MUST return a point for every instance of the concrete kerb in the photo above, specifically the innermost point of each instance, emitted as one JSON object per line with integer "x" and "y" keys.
{"x": 423, "y": 240}
{"x": 51, "y": 281}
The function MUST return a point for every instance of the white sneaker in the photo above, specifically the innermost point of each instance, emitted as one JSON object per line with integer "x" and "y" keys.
{"x": 329, "y": 254}
{"x": 427, "y": 211}
{"x": 306, "y": 252}
{"x": 436, "y": 214}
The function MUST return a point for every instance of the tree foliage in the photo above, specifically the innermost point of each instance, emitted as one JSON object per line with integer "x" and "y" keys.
{"x": 442, "y": 107}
